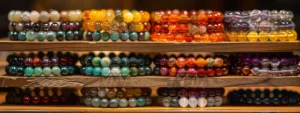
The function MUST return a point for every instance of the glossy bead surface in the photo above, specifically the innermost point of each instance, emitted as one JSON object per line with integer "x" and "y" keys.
{"x": 54, "y": 16}
{"x": 34, "y": 16}
{"x": 96, "y": 102}
{"x": 113, "y": 103}
{"x": 106, "y": 71}
{"x": 132, "y": 102}
{"x": 55, "y": 71}
{"x": 46, "y": 71}
{"x": 38, "y": 71}
{"x": 202, "y": 102}
{"x": 30, "y": 35}
{"x": 125, "y": 71}
{"x": 183, "y": 102}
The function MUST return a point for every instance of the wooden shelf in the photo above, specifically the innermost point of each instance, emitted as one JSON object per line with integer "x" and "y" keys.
{"x": 150, "y": 81}
{"x": 147, "y": 46}
{"x": 81, "y": 109}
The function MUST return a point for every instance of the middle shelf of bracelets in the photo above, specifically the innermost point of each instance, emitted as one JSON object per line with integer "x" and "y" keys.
{"x": 122, "y": 80}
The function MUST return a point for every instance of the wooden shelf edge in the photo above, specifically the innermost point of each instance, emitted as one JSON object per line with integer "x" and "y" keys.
{"x": 149, "y": 81}
{"x": 148, "y": 46}
{"x": 81, "y": 109}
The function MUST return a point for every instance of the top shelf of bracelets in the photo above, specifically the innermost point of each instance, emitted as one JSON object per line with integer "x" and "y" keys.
{"x": 172, "y": 31}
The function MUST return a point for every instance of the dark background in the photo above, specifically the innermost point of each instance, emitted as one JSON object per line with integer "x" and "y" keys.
{"x": 149, "y": 5}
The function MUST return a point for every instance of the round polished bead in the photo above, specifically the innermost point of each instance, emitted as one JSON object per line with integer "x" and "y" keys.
{"x": 41, "y": 36}
{"x": 193, "y": 102}
{"x": 174, "y": 102}
{"x": 64, "y": 70}
{"x": 218, "y": 101}
{"x": 54, "y": 16}
{"x": 55, "y": 71}
{"x": 114, "y": 36}
{"x": 101, "y": 92}
{"x": 96, "y": 102}
{"x": 133, "y": 36}
{"x": 64, "y": 16}
{"x": 202, "y": 102}
{"x": 141, "y": 102}
{"x": 19, "y": 26}
{"x": 72, "y": 69}
{"x": 116, "y": 61}
{"x": 96, "y": 61}
{"x": 54, "y": 26}
{"x": 64, "y": 26}
{"x": 38, "y": 71}
{"x": 46, "y": 71}
{"x": 22, "y": 36}
{"x": 11, "y": 15}
{"x": 87, "y": 101}
{"x": 104, "y": 36}
{"x": 44, "y": 16}
{"x": 77, "y": 35}
{"x": 63, "y": 60}
{"x": 113, "y": 103}
{"x": 97, "y": 71}
{"x": 72, "y": 15}
{"x": 89, "y": 70}
{"x": 104, "y": 102}
{"x": 20, "y": 61}
{"x": 60, "y": 35}
{"x": 54, "y": 61}
{"x": 183, "y": 102}
{"x": 166, "y": 101}
{"x": 115, "y": 71}
{"x": 30, "y": 35}
{"x": 89, "y": 60}
{"x": 72, "y": 26}
{"x": 34, "y": 16}
{"x": 12, "y": 70}
{"x": 105, "y": 61}
{"x": 210, "y": 101}
{"x": 132, "y": 102}
{"x": 105, "y": 71}
{"x": 15, "y": 35}
{"x": 17, "y": 16}
{"x": 124, "y": 36}
{"x": 12, "y": 26}
{"x": 28, "y": 61}
{"x": 37, "y": 61}
{"x": 124, "y": 62}
{"x": 89, "y": 36}
{"x": 125, "y": 71}
{"x": 69, "y": 35}
{"x": 50, "y": 36}
{"x": 45, "y": 26}
{"x": 142, "y": 70}
{"x": 123, "y": 102}
{"x": 97, "y": 26}
{"x": 82, "y": 70}
{"x": 134, "y": 71}
{"x": 46, "y": 62}
{"x": 147, "y": 36}
{"x": 96, "y": 35}
{"x": 20, "y": 71}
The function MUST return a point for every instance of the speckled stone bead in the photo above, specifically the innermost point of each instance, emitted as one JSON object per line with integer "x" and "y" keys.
{"x": 106, "y": 71}
{"x": 41, "y": 36}
{"x": 114, "y": 36}
{"x": 124, "y": 36}
{"x": 50, "y": 36}
{"x": 30, "y": 35}
{"x": 133, "y": 36}
{"x": 54, "y": 16}
{"x": 96, "y": 35}
{"x": 96, "y": 61}
{"x": 22, "y": 36}
{"x": 104, "y": 35}
{"x": 46, "y": 71}
{"x": 141, "y": 71}
{"x": 96, "y": 102}
{"x": 64, "y": 70}
{"x": 96, "y": 71}
{"x": 113, "y": 103}
{"x": 123, "y": 102}
{"x": 104, "y": 102}
{"x": 183, "y": 102}
{"x": 38, "y": 71}
{"x": 125, "y": 71}
{"x": 34, "y": 16}
{"x": 12, "y": 70}
{"x": 26, "y": 16}
{"x": 69, "y": 35}
{"x": 132, "y": 102}
{"x": 55, "y": 71}
{"x": 60, "y": 35}
{"x": 105, "y": 62}
{"x": 174, "y": 102}
{"x": 44, "y": 16}
{"x": 89, "y": 70}
{"x": 134, "y": 71}
{"x": 115, "y": 71}
{"x": 101, "y": 92}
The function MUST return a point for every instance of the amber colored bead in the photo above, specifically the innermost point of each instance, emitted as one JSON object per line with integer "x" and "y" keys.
{"x": 219, "y": 72}
{"x": 209, "y": 17}
{"x": 139, "y": 27}
{"x": 165, "y": 28}
{"x": 64, "y": 16}
{"x": 182, "y": 28}
{"x": 220, "y": 27}
{"x": 179, "y": 37}
{"x": 218, "y": 62}
{"x": 205, "y": 37}
{"x": 90, "y": 25}
{"x": 213, "y": 37}
{"x": 197, "y": 38}
{"x": 37, "y": 61}
{"x": 173, "y": 71}
{"x": 84, "y": 25}
{"x": 145, "y": 16}
{"x": 157, "y": 28}
{"x": 180, "y": 62}
{"x": 221, "y": 37}
{"x": 174, "y": 18}
{"x": 210, "y": 28}
{"x": 191, "y": 62}
{"x": 155, "y": 36}
{"x": 147, "y": 26}
{"x": 210, "y": 72}
{"x": 188, "y": 38}
{"x": 163, "y": 37}
{"x": 184, "y": 18}
{"x": 164, "y": 19}
{"x": 85, "y": 15}
{"x": 201, "y": 62}
{"x": 202, "y": 19}
{"x": 170, "y": 37}
{"x": 173, "y": 28}
{"x": 218, "y": 17}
